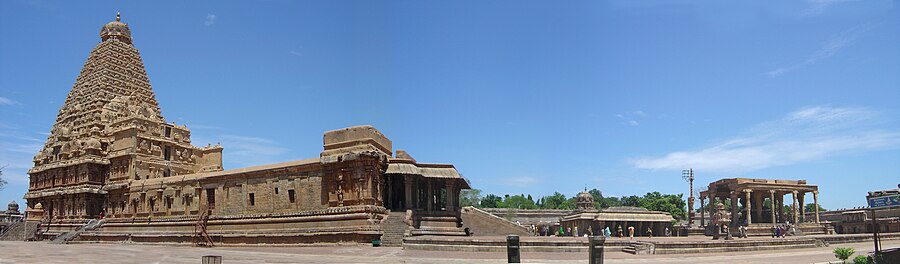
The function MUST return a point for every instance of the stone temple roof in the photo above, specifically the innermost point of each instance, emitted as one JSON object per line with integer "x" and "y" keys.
{"x": 626, "y": 209}
{"x": 112, "y": 86}
{"x": 116, "y": 29}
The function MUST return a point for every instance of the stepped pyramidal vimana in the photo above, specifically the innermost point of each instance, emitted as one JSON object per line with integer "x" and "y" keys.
{"x": 112, "y": 155}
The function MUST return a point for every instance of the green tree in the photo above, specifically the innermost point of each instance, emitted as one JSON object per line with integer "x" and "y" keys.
{"x": 518, "y": 201}
{"x": 604, "y": 202}
{"x": 553, "y": 201}
{"x": 568, "y": 204}
{"x": 491, "y": 201}
{"x": 634, "y": 200}
{"x": 655, "y": 201}
{"x": 811, "y": 208}
{"x": 607, "y": 202}
{"x": 470, "y": 197}
{"x": 843, "y": 253}
{"x": 671, "y": 203}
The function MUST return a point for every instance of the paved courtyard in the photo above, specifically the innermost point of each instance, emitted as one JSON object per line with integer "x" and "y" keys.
{"x": 42, "y": 252}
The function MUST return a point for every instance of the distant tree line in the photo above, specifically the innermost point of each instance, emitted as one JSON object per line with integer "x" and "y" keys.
{"x": 671, "y": 203}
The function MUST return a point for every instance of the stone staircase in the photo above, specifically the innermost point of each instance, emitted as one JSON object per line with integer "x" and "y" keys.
{"x": 639, "y": 248}
{"x": 15, "y": 231}
{"x": 483, "y": 223}
{"x": 765, "y": 229}
{"x": 69, "y": 236}
{"x": 394, "y": 229}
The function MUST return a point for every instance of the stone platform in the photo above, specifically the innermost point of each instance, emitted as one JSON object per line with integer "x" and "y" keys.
{"x": 637, "y": 246}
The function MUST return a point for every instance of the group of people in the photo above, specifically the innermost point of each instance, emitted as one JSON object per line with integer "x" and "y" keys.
{"x": 606, "y": 232}
{"x": 782, "y": 230}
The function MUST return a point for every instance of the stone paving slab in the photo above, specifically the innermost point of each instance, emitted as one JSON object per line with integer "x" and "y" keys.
{"x": 42, "y": 252}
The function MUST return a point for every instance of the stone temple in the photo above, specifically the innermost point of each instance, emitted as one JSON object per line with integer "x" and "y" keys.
{"x": 112, "y": 155}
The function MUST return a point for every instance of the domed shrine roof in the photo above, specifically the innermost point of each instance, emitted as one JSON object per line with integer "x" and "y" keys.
{"x": 584, "y": 201}
{"x": 116, "y": 30}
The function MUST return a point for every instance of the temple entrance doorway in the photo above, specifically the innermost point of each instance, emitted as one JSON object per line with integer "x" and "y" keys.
{"x": 396, "y": 194}
{"x": 211, "y": 198}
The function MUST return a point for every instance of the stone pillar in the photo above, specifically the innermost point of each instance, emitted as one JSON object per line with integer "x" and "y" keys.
{"x": 794, "y": 210}
{"x": 747, "y": 205}
{"x": 430, "y": 203}
{"x": 802, "y": 207}
{"x": 816, "y": 201}
{"x": 713, "y": 202}
{"x": 388, "y": 192}
{"x": 702, "y": 211}
{"x": 758, "y": 206}
{"x": 408, "y": 181}
{"x": 772, "y": 200}
{"x": 780, "y": 198}
{"x": 451, "y": 197}
{"x": 734, "y": 207}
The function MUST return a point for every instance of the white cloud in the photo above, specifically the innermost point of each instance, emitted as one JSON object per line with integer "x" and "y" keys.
{"x": 629, "y": 118}
{"x": 804, "y": 135}
{"x": 204, "y": 127}
{"x": 7, "y": 101}
{"x": 828, "y": 49}
{"x": 210, "y": 20}
{"x": 521, "y": 181}
{"x": 817, "y": 7}
{"x": 251, "y": 151}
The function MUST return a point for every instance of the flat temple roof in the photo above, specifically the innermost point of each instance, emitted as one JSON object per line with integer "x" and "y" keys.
{"x": 742, "y": 184}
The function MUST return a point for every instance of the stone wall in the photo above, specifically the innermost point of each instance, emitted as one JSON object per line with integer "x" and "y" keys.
{"x": 482, "y": 223}
{"x": 528, "y": 217}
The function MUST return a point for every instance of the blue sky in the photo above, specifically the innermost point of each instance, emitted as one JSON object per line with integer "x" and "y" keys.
{"x": 522, "y": 96}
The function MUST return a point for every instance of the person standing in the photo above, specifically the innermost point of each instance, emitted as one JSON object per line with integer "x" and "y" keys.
{"x": 631, "y": 231}
{"x": 649, "y": 232}
{"x": 619, "y": 231}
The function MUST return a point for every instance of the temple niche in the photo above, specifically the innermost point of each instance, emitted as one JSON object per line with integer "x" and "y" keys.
{"x": 111, "y": 154}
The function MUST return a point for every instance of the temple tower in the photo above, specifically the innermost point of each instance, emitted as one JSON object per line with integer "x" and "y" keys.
{"x": 110, "y": 131}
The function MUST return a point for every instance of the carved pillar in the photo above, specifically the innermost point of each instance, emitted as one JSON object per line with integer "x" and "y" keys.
{"x": 816, "y": 201}
{"x": 714, "y": 202}
{"x": 451, "y": 197}
{"x": 772, "y": 207}
{"x": 388, "y": 192}
{"x": 780, "y": 198}
{"x": 747, "y": 205}
{"x": 758, "y": 206}
{"x": 430, "y": 201}
{"x": 702, "y": 211}
{"x": 802, "y": 207}
{"x": 408, "y": 181}
{"x": 734, "y": 207}
{"x": 794, "y": 210}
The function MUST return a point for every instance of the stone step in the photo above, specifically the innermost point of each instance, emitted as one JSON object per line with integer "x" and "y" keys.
{"x": 393, "y": 229}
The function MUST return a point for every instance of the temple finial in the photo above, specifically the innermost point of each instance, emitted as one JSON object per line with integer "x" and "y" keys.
{"x": 118, "y": 16}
